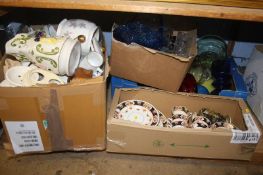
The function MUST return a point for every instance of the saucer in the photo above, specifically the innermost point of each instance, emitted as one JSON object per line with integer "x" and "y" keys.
{"x": 15, "y": 75}
{"x": 137, "y": 111}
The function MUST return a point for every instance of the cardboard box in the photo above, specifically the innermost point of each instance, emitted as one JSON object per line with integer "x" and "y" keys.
{"x": 128, "y": 137}
{"x": 65, "y": 117}
{"x": 150, "y": 67}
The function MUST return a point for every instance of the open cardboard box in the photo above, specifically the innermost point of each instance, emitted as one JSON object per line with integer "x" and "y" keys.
{"x": 61, "y": 117}
{"x": 128, "y": 137}
{"x": 150, "y": 67}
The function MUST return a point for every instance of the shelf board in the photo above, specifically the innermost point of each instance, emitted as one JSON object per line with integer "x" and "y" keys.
{"x": 171, "y": 8}
{"x": 256, "y": 4}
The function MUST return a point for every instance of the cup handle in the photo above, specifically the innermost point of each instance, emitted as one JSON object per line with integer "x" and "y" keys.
{"x": 95, "y": 46}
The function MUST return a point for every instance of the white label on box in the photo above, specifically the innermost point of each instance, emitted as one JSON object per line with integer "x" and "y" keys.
{"x": 251, "y": 135}
{"x": 24, "y": 136}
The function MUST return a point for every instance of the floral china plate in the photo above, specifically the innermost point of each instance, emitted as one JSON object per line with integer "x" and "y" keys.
{"x": 137, "y": 111}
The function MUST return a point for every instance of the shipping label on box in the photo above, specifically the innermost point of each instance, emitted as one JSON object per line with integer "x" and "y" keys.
{"x": 24, "y": 136}
{"x": 251, "y": 135}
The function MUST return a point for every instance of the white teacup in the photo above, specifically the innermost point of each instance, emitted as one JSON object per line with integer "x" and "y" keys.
{"x": 92, "y": 61}
{"x": 80, "y": 29}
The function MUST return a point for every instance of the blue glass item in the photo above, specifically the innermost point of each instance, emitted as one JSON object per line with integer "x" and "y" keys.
{"x": 136, "y": 32}
{"x": 202, "y": 90}
{"x": 220, "y": 69}
{"x": 221, "y": 73}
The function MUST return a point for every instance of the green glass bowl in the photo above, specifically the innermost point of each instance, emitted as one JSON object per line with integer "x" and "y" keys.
{"x": 212, "y": 45}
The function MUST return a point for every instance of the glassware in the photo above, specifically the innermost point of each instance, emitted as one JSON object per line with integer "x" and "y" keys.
{"x": 212, "y": 46}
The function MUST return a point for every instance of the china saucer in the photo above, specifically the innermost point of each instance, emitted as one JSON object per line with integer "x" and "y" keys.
{"x": 137, "y": 111}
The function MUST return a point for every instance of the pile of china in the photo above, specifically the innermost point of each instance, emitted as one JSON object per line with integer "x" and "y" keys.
{"x": 49, "y": 56}
{"x": 144, "y": 113}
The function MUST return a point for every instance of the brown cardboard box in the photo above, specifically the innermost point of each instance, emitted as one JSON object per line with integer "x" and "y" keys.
{"x": 150, "y": 67}
{"x": 67, "y": 117}
{"x": 128, "y": 137}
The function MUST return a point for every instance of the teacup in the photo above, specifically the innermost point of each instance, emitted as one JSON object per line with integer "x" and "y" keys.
{"x": 59, "y": 55}
{"x": 82, "y": 30}
{"x": 199, "y": 121}
{"x": 92, "y": 61}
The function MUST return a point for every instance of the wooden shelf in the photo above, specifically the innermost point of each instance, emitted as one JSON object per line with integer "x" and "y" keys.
{"x": 183, "y": 9}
